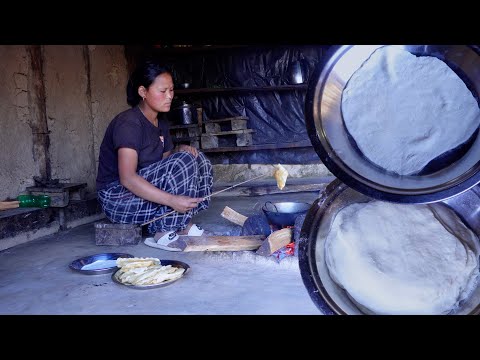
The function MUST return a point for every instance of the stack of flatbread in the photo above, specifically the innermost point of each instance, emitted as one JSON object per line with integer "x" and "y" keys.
{"x": 146, "y": 271}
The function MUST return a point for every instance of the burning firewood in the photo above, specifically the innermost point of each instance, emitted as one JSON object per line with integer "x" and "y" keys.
{"x": 275, "y": 241}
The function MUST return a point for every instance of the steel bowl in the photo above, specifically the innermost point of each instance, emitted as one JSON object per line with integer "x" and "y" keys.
{"x": 284, "y": 213}
{"x": 455, "y": 172}
{"x": 329, "y": 297}
{"x": 78, "y": 264}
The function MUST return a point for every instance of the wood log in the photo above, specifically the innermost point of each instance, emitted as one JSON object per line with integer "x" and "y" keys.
{"x": 219, "y": 243}
{"x": 6, "y": 205}
{"x": 275, "y": 241}
{"x": 233, "y": 216}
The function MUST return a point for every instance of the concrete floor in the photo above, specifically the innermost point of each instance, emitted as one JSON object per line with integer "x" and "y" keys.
{"x": 35, "y": 277}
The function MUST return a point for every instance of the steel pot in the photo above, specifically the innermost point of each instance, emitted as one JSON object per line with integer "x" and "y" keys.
{"x": 298, "y": 72}
{"x": 184, "y": 114}
{"x": 330, "y": 298}
{"x": 284, "y": 213}
{"x": 331, "y": 141}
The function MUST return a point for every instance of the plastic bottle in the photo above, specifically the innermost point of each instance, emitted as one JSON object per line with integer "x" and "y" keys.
{"x": 41, "y": 201}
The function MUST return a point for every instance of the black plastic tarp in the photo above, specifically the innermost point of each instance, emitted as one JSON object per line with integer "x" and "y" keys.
{"x": 276, "y": 116}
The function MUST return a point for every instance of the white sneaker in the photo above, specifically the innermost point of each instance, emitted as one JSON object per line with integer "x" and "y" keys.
{"x": 166, "y": 242}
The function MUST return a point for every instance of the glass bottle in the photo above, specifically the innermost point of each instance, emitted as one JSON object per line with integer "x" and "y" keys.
{"x": 41, "y": 201}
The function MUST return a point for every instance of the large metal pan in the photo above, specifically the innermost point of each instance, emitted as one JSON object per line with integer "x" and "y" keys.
{"x": 331, "y": 140}
{"x": 325, "y": 293}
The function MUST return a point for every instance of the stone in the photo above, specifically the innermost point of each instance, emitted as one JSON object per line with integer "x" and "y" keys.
{"x": 107, "y": 233}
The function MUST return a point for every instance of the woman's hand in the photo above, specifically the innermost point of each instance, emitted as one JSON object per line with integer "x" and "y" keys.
{"x": 187, "y": 148}
{"x": 182, "y": 203}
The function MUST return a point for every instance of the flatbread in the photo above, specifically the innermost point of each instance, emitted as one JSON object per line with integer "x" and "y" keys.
{"x": 404, "y": 111}
{"x": 395, "y": 259}
{"x": 280, "y": 175}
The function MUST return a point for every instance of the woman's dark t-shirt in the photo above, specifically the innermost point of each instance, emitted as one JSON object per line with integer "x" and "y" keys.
{"x": 131, "y": 129}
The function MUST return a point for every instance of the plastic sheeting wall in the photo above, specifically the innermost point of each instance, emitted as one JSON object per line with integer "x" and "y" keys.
{"x": 276, "y": 116}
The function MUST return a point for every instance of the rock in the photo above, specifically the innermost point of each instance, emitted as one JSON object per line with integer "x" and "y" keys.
{"x": 256, "y": 225}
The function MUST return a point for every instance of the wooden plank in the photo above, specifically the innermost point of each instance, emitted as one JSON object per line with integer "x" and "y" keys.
{"x": 6, "y": 205}
{"x": 233, "y": 132}
{"x": 186, "y": 138}
{"x": 238, "y": 124}
{"x": 209, "y": 128}
{"x": 61, "y": 187}
{"x": 232, "y": 215}
{"x": 209, "y": 142}
{"x": 184, "y": 126}
{"x": 244, "y": 139}
{"x": 227, "y": 119}
{"x": 300, "y": 144}
{"x": 222, "y": 243}
{"x": 248, "y": 89}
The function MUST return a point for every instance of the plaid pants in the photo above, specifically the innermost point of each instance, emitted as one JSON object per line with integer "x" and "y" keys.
{"x": 180, "y": 174}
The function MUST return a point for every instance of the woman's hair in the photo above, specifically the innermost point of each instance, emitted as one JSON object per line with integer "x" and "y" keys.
{"x": 144, "y": 75}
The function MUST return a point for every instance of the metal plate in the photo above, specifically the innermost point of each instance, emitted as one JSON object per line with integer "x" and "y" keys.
{"x": 174, "y": 263}
{"x": 331, "y": 140}
{"x": 78, "y": 264}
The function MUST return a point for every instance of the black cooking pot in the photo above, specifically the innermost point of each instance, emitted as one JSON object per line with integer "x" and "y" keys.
{"x": 184, "y": 114}
{"x": 284, "y": 213}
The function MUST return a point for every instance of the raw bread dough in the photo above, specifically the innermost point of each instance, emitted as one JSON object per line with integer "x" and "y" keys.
{"x": 403, "y": 111}
{"x": 399, "y": 259}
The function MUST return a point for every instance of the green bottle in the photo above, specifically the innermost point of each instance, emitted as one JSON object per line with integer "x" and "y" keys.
{"x": 40, "y": 201}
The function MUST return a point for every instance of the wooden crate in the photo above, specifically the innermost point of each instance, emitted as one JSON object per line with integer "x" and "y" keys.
{"x": 186, "y": 134}
{"x": 234, "y": 127}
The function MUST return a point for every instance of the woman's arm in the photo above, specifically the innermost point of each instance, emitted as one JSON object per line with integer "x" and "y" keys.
{"x": 127, "y": 166}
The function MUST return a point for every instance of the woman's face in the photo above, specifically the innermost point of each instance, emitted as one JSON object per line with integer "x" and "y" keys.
{"x": 159, "y": 94}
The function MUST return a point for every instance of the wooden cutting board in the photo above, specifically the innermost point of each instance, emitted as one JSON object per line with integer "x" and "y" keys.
{"x": 219, "y": 243}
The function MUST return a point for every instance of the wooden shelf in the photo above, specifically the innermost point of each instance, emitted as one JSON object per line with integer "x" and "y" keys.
{"x": 199, "y": 91}
{"x": 299, "y": 144}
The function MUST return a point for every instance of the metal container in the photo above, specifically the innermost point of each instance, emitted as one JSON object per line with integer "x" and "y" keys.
{"x": 298, "y": 71}
{"x": 332, "y": 143}
{"x": 284, "y": 213}
{"x": 326, "y": 294}
{"x": 451, "y": 185}
{"x": 184, "y": 114}
{"x": 107, "y": 263}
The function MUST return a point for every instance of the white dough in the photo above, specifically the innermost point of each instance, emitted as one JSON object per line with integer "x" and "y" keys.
{"x": 404, "y": 111}
{"x": 399, "y": 259}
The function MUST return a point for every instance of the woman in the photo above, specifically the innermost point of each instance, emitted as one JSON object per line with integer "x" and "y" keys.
{"x": 141, "y": 176}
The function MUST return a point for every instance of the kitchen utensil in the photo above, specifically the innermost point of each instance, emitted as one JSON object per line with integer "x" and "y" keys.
{"x": 215, "y": 193}
{"x": 78, "y": 264}
{"x": 332, "y": 143}
{"x": 184, "y": 114}
{"x": 325, "y": 293}
{"x": 284, "y": 213}
{"x": 298, "y": 71}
